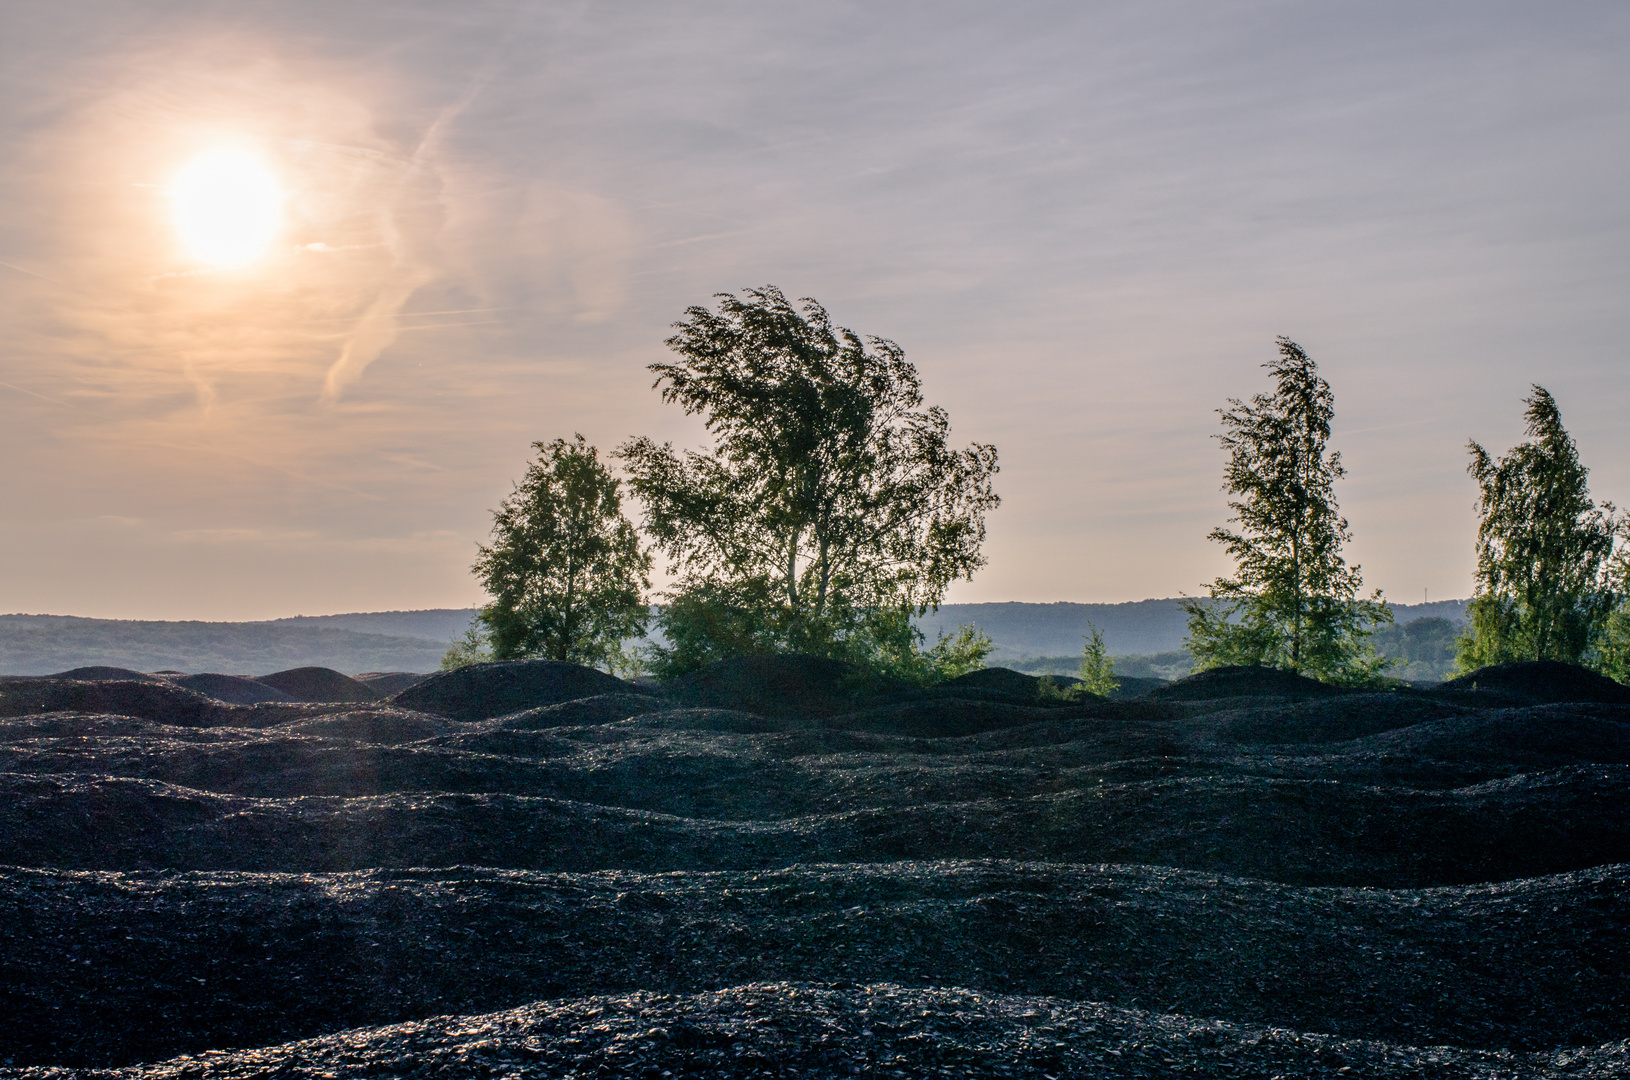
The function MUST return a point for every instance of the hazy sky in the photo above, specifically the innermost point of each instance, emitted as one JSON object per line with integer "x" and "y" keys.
{"x": 1085, "y": 223}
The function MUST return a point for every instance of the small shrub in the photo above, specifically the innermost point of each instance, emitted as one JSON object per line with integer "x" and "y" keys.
{"x": 1097, "y": 670}
{"x": 472, "y": 648}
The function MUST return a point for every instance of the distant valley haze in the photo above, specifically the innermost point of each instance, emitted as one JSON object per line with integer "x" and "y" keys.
{"x": 459, "y": 228}
{"x": 415, "y": 640}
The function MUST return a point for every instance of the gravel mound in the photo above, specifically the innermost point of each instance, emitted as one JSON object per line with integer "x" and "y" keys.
{"x": 29, "y": 730}
{"x": 232, "y": 689}
{"x": 599, "y": 709}
{"x": 1003, "y": 680}
{"x": 108, "y": 969}
{"x": 1293, "y": 831}
{"x": 1230, "y": 682}
{"x": 386, "y": 683}
{"x": 782, "y": 684}
{"x": 481, "y": 691}
{"x": 1542, "y": 681}
{"x": 319, "y": 684}
{"x": 100, "y": 673}
{"x": 802, "y": 1030}
{"x": 1243, "y": 874}
{"x": 1326, "y": 720}
{"x": 147, "y": 700}
{"x": 1131, "y": 686}
{"x": 1545, "y": 737}
{"x": 381, "y": 726}
{"x": 723, "y": 720}
{"x": 949, "y": 718}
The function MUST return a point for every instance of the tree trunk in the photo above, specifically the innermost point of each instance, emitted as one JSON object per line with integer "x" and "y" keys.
{"x": 563, "y": 647}
{"x": 825, "y": 575}
{"x": 792, "y": 569}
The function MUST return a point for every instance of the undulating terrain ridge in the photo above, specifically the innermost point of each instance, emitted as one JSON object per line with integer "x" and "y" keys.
{"x": 775, "y": 868}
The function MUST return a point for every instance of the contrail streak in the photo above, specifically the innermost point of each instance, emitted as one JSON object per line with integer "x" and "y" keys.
{"x": 30, "y": 273}
{"x": 26, "y": 390}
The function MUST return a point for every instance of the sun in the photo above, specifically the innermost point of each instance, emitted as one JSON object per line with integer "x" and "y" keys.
{"x": 226, "y": 206}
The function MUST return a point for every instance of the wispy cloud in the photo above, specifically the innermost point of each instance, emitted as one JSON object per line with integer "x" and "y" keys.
{"x": 35, "y": 393}
{"x": 1084, "y": 223}
{"x": 375, "y": 331}
{"x": 30, "y": 273}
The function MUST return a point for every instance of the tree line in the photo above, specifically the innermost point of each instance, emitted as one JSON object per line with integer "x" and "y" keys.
{"x": 1553, "y": 567}
{"x": 832, "y": 508}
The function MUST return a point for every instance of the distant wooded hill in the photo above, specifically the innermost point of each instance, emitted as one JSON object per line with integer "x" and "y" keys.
{"x": 376, "y": 641}
{"x": 1142, "y": 627}
{"x": 415, "y": 640}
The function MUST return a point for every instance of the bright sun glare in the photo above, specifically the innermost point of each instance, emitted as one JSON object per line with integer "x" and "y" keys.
{"x": 226, "y": 206}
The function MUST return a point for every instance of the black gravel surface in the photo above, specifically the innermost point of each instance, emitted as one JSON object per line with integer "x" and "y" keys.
{"x": 104, "y": 673}
{"x": 780, "y": 869}
{"x": 255, "y": 958}
{"x": 231, "y": 689}
{"x": 386, "y": 683}
{"x": 320, "y": 684}
{"x": 800, "y": 1030}
{"x": 783, "y": 686}
{"x": 1298, "y": 832}
{"x": 144, "y": 698}
{"x": 1544, "y": 680}
{"x": 479, "y": 691}
{"x": 1226, "y": 682}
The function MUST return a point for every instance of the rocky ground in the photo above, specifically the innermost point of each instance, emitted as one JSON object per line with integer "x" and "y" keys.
{"x": 777, "y": 869}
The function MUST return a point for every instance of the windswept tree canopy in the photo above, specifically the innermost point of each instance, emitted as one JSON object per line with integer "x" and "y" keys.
{"x": 1543, "y": 549}
{"x": 1293, "y": 601}
{"x": 830, "y": 504}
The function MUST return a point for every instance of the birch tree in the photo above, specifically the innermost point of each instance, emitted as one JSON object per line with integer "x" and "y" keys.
{"x": 1292, "y": 602}
{"x": 831, "y": 506}
{"x": 565, "y": 569}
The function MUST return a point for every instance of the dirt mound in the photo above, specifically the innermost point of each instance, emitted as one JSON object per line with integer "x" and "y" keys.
{"x": 950, "y": 718}
{"x": 271, "y": 714}
{"x": 481, "y": 691}
{"x": 1326, "y": 719}
{"x": 290, "y": 957}
{"x": 1301, "y": 832}
{"x": 319, "y": 684}
{"x": 599, "y": 709}
{"x": 1543, "y": 737}
{"x": 386, "y": 683}
{"x": 384, "y": 727}
{"x": 1542, "y": 681}
{"x": 232, "y": 689}
{"x": 1312, "y": 859}
{"x": 1131, "y": 686}
{"x": 1230, "y": 682}
{"x": 1005, "y": 684}
{"x": 723, "y": 720}
{"x": 71, "y": 725}
{"x": 98, "y": 673}
{"x": 489, "y": 737}
{"x": 1001, "y": 679}
{"x": 797, "y": 1029}
{"x": 782, "y": 684}
{"x": 148, "y": 700}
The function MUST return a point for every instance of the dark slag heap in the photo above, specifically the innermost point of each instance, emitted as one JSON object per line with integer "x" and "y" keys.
{"x": 775, "y": 866}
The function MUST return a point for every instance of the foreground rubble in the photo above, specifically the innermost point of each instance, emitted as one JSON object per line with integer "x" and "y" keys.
{"x": 1241, "y": 875}
{"x": 876, "y": 1030}
{"x": 113, "y": 968}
